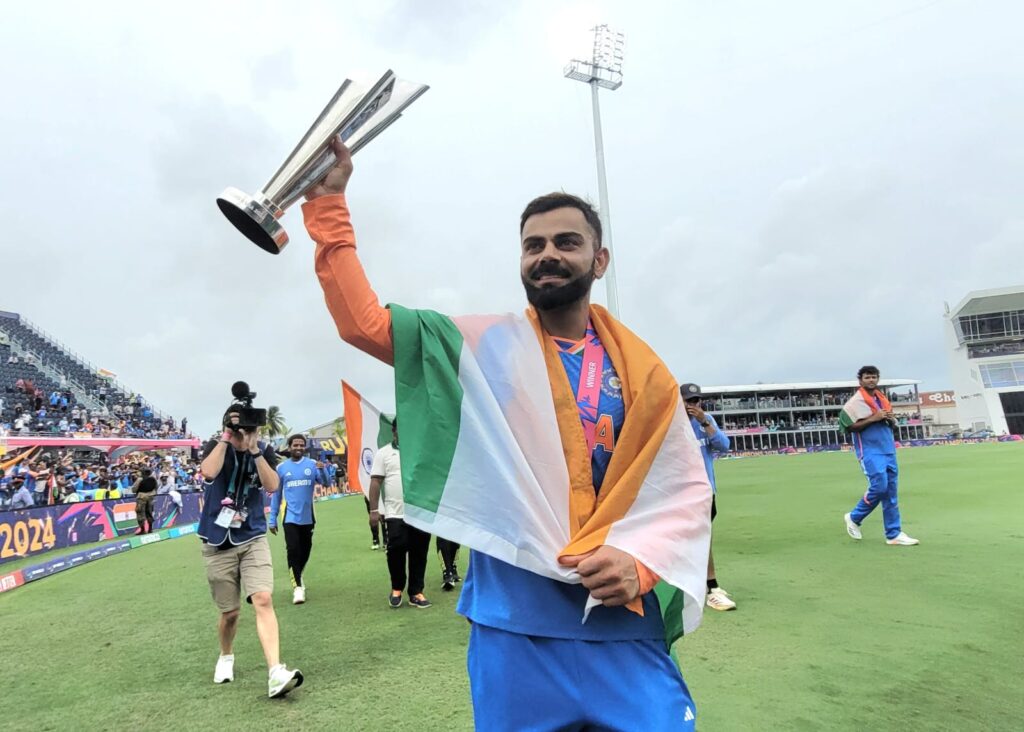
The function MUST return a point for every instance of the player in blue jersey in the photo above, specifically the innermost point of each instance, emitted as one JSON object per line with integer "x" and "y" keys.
{"x": 298, "y": 481}
{"x": 711, "y": 440}
{"x": 532, "y": 663}
{"x": 868, "y": 418}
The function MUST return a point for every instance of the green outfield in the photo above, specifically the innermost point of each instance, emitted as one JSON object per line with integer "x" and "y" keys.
{"x": 830, "y": 634}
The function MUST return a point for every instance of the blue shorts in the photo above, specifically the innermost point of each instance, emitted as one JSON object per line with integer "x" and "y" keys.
{"x": 530, "y": 683}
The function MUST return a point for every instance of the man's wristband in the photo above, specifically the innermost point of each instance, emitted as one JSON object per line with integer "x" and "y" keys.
{"x": 374, "y": 510}
{"x": 705, "y": 424}
{"x": 256, "y": 455}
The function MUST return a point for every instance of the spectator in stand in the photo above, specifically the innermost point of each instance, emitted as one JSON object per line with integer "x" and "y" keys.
{"x": 22, "y": 496}
{"x": 167, "y": 482}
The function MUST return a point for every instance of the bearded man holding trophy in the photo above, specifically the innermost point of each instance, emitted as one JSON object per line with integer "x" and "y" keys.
{"x": 554, "y": 444}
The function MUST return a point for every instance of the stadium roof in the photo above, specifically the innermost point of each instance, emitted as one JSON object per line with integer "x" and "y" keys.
{"x": 980, "y": 302}
{"x": 801, "y": 386}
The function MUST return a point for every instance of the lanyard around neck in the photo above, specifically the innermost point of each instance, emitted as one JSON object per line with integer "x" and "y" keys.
{"x": 588, "y": 392}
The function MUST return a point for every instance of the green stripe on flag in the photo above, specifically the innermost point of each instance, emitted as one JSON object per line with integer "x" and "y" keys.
{"x": 671, "y": 601}
{"x": 383, "y": 431}
{"x": 428, "y": 347}
{"x": 845, "y": 420}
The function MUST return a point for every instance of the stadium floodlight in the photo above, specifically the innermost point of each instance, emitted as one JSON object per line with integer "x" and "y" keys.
{"x": 603, "y": 70}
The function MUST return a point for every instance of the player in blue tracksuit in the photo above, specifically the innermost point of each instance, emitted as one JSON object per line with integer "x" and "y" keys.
{"x": 875, "y": 447}
{"x": 298, "y": 477}
{"x": 711, "y": 440}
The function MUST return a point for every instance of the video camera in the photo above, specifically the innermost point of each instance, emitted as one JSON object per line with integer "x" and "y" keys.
{"x": 249, "y": 417}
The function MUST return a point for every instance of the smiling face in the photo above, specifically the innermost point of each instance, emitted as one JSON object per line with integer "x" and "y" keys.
{"x": 558, "y": 259}
{"x": 869, "y": 381}
{"x": 297, "y": 448}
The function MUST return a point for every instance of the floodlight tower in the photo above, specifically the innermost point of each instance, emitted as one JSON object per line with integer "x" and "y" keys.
{"x": 603, "y": 70}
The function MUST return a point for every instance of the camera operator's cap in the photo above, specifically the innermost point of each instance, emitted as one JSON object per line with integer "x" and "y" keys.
{"x": 690, "y": 391}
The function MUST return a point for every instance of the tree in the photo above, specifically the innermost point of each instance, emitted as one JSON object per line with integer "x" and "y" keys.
{"x": 275, "y": 426}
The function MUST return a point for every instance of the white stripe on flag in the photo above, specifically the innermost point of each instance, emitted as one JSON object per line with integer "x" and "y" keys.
{"x": 667, "y": 527}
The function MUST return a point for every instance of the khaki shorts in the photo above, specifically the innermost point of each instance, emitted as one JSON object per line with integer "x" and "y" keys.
{"x": 228, "y": 570}
{"x": 144, "y": 503}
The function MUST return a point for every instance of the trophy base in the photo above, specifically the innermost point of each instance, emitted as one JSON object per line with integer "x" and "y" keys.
{"x": 255, "y": 220}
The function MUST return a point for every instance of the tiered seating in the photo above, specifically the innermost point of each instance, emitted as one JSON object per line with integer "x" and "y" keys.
{"x": 52, "y": 355}
{"x": 10, "y": 374}
{"x": 141, "y": 421}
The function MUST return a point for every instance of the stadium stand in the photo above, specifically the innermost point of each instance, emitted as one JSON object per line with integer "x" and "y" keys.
{"x": 44, "y": 385}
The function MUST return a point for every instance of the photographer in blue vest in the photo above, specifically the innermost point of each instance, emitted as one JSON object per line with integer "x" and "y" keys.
{"x": 236, "y": 469}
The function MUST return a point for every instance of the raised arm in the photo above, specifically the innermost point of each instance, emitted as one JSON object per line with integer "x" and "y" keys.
{"x": 357, "y": 312}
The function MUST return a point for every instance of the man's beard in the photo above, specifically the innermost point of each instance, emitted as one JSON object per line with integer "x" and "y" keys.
{"x": 558, "y": 296}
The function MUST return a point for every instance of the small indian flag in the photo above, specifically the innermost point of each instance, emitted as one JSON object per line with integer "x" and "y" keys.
{"x": 106, "y": 374}
{"x": 494, "y": 455}
{"x": 124, "y": 515}
{"x": 368, "y": 430}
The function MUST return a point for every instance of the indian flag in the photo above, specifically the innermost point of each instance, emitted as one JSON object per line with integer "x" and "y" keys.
{"x": 368, "y": 430}
{"x": 124, "y": 516}
{"x": 494, "y": 455}
{"x": 858, "y": 407}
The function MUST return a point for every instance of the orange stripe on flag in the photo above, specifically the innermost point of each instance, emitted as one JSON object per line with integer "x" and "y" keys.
{"x": 354, "y": 427}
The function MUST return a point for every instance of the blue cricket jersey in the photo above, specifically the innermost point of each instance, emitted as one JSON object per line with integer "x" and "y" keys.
{"x": 498, "y": 595}
{"x": 297, "y": 480}
{"x": 718, "y": 442}
{"x": 875, "y": 439}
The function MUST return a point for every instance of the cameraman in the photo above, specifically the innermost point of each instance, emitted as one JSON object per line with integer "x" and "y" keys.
{"x": 233, "y": 527}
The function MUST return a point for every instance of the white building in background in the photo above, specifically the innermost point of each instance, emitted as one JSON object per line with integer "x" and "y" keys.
{"x": 803, "y": 415}
{"x": 985, "y": 336}
{"x": 938, "y": 411}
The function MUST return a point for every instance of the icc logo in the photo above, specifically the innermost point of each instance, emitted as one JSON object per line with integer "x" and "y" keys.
{"x": 367, "y": 457}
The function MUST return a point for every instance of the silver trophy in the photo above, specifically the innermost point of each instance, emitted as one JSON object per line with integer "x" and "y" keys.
{"x": 355, "y": 114}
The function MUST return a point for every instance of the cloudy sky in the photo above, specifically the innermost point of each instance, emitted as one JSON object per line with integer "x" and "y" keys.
{"x": 796, "y": 186}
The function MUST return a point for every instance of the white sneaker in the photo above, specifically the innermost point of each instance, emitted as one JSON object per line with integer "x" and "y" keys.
{"x": 225, "y": 670}
{"x": 282, "y": 681}
{"x": 902, "y": 539}
{"x": 852, "y": 528}
{"x": 718, "y": 599}
{"x": 299, "y": 595}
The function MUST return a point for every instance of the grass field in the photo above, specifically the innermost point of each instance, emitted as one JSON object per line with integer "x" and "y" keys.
{"x": 830, "y": 634}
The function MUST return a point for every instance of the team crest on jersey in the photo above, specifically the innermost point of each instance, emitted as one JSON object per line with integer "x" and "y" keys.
{"x": 367, "y": 460}
{"x": 308, "y": 471}
{"x": 611, "y": 384}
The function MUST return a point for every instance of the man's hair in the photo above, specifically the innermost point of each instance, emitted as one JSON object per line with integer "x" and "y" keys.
{"x": 868, "y": 370}
{"x": 146, "y": 472}
{"x": 553, "y": 201}
{"x": 296, "y": 437}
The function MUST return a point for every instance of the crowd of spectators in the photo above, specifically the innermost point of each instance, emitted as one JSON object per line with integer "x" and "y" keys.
{"x": 762, "y": 403}
{"x": 80, "y": 401}
{"x": 60, "y": 478}
{"x": 27, "y": 409}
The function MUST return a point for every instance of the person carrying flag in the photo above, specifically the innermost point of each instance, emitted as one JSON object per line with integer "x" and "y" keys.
{"x": 868, "y": 418}
{"x": 561, "y": 444}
